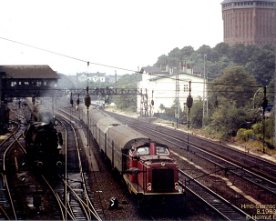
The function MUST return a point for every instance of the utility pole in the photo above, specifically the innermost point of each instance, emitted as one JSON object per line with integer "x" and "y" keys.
{"x": 177, "y": 89}
{"x": 264, "y": 104}
{"x": 146, "y": 103}
{"x": 141, "y": 103}
{"x": 205, "y": 99}
{"x": 152, "y": 105}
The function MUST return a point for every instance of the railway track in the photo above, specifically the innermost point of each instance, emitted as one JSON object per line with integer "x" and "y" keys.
{"x": 227, "y": 211}
{"x": 224, "y": 208}
{"x": 235, "y": 161}
{"x": 45, "y": 197}
{"x": 7, "y": 205}
{"x": 20, "y": 186}
{"x": 219, "y": 161}
{"x": 176, "y": 138}
{"x": 76, "y": 180}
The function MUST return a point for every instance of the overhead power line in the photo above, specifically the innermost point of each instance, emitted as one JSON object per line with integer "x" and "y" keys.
{"x": 87, "y": 62}
{"x": 64, "y": 55}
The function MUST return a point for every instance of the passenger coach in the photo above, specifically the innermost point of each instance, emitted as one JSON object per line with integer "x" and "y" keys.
{"x": 146, "y": 165}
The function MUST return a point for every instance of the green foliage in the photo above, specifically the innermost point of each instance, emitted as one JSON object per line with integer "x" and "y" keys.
{"x": 196, "y": 114}
{"x": 245, "y": 134}
{"x": 235, "y": 85}
{"x": 262, "y": 65}
{"x": 128, "y": 81}
{"x": 128, "y": 102}
{"x": 162, "y": 107}
{"x": 258, "y": 61}
{"x": 231, "y": 101}
{"x": 234, "y": 73}
{"x": 227, "y": 118}
{"x": 269, "y": 129}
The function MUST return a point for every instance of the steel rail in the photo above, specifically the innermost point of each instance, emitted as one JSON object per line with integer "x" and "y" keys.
{"x": 245, "y": 173}
{"x": 88, "y": 205}
{"x": 223, "y": 207}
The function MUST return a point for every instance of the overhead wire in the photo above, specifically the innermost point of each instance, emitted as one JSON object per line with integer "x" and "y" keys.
{"x": 116, "y": 67}
{"x": 65, "y": 55}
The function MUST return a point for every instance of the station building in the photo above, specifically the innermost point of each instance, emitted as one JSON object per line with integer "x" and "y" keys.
{"x": 166, "y": 88}
{"x": 26, "y": 81}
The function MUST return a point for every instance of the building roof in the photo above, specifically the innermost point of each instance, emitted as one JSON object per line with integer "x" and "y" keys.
{"x": 230, "y": 1}
{"x": 173, "y": 76}
{"x": 27, "y": 71}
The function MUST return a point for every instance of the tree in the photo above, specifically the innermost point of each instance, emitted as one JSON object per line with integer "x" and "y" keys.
{"x": 127, "y": 101}
{"x": 235, "y": 85}
{"x": 262, "y": 66}
{"x": 238, "y": 54}
{"x": 186, "y": 52}
{"x": 222, "y": 49}
{"x": 197, "y": 114}
{"x": 162, "y": 61}
{"x": 162, "y": 107}
{"x": 227, "y": 119}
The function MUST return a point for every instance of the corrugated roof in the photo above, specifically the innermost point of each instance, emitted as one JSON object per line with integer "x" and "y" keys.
{"x": 28, "y": 71}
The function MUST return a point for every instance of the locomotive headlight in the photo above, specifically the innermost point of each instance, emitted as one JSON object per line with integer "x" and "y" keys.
{"x": 59, "y": 164}
{"x": 178, "y": 187}
{"x": 39, "y": 164}
{"x": 148, "y": 186}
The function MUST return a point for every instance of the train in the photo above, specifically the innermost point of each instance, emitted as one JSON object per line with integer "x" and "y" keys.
{"x": 43, "y": 147}
{"x": 145, "y": 165}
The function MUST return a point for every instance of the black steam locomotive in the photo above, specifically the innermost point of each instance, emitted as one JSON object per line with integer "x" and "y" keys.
{"x": 43, "y": 147}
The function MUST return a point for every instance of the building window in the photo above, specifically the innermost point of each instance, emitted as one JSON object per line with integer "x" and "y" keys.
{"x": 38, "y": 83}
{"x": 13, "y": 83}
{"x": 186, "y": 87}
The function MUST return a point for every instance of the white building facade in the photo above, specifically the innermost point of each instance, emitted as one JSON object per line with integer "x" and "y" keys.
{"x": 163, "y": 89}
{"x": 92, "y": 77}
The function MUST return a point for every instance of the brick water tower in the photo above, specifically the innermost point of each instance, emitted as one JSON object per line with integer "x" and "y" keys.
{"x": 249, "y": 22}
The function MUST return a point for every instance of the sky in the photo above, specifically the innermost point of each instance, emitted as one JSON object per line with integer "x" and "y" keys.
{"x": 123, "y": 34}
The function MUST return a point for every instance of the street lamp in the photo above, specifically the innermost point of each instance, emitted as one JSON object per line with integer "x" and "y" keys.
{"x": 264, "y": 106}
{"x": 255, "y": 97}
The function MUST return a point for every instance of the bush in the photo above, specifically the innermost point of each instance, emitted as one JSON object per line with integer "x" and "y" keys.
{"x": 245, "y": 134}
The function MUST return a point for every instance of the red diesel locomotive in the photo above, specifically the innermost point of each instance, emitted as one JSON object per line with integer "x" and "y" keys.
{"x": 146, "y": 166}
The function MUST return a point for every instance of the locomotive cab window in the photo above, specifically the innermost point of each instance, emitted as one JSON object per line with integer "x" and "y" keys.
{"x": 141, "y": 151}
{"x": 160, "y": 150}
